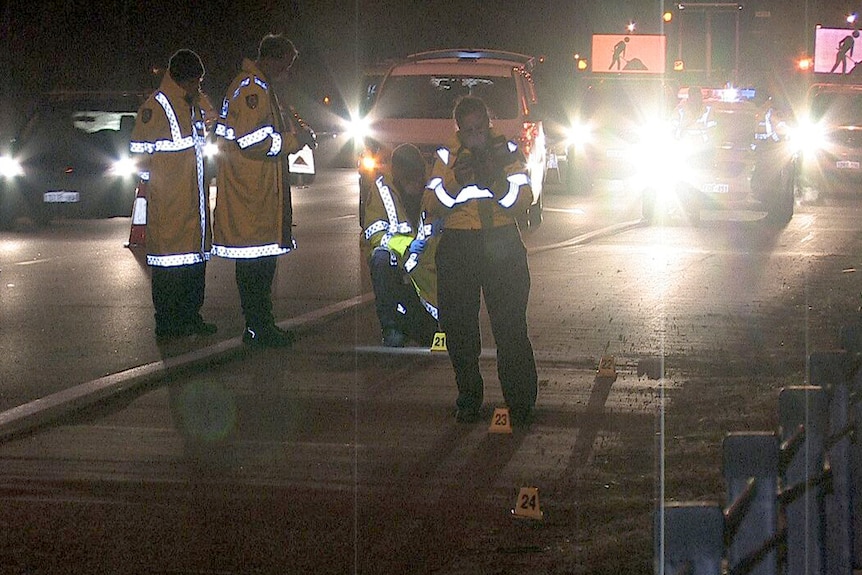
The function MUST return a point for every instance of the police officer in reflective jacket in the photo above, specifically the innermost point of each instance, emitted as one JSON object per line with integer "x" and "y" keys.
{"x": 253, "y": 216}
{"x": 480, "y": 186}
{"x": 169, "y": 136}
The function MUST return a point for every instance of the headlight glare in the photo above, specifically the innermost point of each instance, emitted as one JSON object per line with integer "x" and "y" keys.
{"x": 124, "y": 167}
{"x": 578, "y": 136}
{"x": 807, "y": 136}
{"x": 10, "y": 167}
{"x": 357, "y": 129}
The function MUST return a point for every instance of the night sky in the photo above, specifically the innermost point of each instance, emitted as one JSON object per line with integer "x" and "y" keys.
{"x": 101, "y": 44}
{"x": 76, "y": 43}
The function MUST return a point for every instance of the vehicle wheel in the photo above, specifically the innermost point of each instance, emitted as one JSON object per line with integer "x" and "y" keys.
{"x": 692, "y": 212}
{"x": 532, "y": 219}
{"x": 691, "y": 202}
{"x": 780, "y": 208}
{"x": 534, "y": 215}
{"x": 578, "y": 177}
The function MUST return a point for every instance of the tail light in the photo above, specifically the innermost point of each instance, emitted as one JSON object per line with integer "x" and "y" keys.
{"x": 529, "y": 134}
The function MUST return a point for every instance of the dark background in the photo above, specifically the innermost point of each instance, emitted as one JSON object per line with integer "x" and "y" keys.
{"x": 124, "y": 44}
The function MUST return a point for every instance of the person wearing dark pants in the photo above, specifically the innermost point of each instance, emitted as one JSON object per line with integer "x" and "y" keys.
{"x": 254, "y": 281}
{"x": 479, "y": 186}
{"x": 398, "y": 306}
{"x": 253, "y": 216}
{"x": 169, "y": 138}
{"x": 178, "y": 295}
{"x": 492, "y": 263}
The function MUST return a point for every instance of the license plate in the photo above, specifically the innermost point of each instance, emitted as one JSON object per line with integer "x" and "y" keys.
{"x": 61, "y": 197}
{"x": 847, "y": 165}
{"x": 715, "y": 188}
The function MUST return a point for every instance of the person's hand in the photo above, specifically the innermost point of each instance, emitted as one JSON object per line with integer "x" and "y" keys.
{"x": 465, "y": 169}
{"x": 417, "y": 246}
{"x": 208, "y": 111}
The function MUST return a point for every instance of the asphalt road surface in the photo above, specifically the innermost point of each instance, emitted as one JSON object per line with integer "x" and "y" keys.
{"x": 338, "y": 456}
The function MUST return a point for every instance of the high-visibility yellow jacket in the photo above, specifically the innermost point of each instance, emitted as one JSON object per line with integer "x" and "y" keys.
{"x": 388, "y": 226}
{"x": 253, "y": 214}
{"x": 169, "y": 137}
{"x": 477, "y": 204}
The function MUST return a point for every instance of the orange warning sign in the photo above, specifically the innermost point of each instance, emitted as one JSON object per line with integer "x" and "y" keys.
{"x": 629, "y": 53}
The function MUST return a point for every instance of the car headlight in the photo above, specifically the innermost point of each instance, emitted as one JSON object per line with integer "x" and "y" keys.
{"x": 10, "y": 167}
{"x": 578, "y": 136}
{"x": 124, "y": 167}
{"x": 368, "y": 162}
{"x": 807, "y": 136}
{"x": 357, "y": 129}
{"x": 660, "y": 158}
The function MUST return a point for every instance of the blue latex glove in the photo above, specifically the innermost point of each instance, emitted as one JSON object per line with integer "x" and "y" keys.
{"x": 417, "y": 246}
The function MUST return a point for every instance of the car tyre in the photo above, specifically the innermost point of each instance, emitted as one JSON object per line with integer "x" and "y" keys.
{"x": 579, "y": 180}
{"x": 535, "y": 214}
{"x": 780, "y": 209}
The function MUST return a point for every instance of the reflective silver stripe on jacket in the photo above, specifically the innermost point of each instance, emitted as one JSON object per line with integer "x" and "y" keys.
{"x": 251, "y": 252}
{"x": 203, "y": 191}
{"x": 424, "y": 232}
{"x": 378, "y": 226}
{"x": 177, "y": 143}
{"x": 257, "y": 136}
{"x": 443, "y": 154}
{"x": 260, "y": 135}
{"x": 467, "y": 193}
{"x": 174, "y": 260}
{"x": 393, "y": 226}
{"x": 429, "y": 307}
{"x": 515, "y": 182}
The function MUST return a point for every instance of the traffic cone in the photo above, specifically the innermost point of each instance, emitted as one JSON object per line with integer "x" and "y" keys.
{"x": 138, "y": 233}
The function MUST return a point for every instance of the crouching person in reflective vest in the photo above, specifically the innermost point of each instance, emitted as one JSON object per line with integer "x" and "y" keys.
{"x": 479, "y": 186}
{"x": 399, "y": 248}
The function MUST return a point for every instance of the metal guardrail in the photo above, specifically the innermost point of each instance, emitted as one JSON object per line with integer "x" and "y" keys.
{"x": 792, "y": 507}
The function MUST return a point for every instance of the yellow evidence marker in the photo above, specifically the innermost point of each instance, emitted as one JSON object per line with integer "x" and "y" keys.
{"x": 607, "y": 367}
{"x": 439, "y": 342}
{"x": 527, "y": 505}
{"x": 500, "y": 422}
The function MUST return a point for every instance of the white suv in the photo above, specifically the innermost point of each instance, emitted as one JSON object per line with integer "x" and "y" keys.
{"x": 418, "y": 95}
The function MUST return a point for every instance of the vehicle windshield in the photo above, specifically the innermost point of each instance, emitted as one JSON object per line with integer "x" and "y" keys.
{"x": 434, "y": 97}
{"x": 842, "y": 109}
{"x": 734, "y": 124}
{"x": 620, "y": 108}
{"x": 93, "y": 121}
{"x": 370, "y": 89}
{"x": 103, "y": 123}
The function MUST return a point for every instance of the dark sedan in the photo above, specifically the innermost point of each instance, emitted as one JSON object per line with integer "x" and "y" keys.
{"x": 71, "y": 159}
